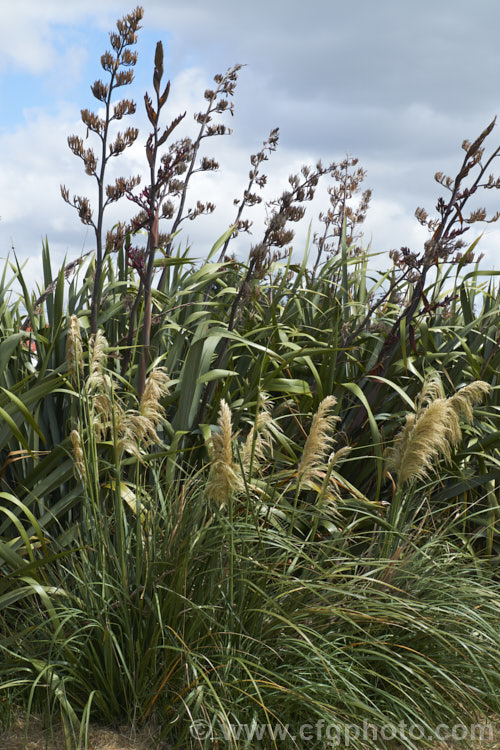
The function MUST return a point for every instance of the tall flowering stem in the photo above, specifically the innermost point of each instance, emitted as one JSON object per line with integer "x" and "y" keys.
{"x": 165, "y": 183}
{"x": 118, "y": 64}
{"x": 447, "y": 230}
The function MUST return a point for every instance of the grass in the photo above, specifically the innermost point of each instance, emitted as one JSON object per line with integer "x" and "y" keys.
{"x": 247, "y": 493}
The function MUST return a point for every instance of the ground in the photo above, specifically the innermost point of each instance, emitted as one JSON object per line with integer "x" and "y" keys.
{"x": 107, "y": 739}
{"x": 99, "y": 738}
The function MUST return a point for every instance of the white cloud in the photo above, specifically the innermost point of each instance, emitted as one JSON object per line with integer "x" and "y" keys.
{"x": 335, "y": 79}
{"x": 32, "y": 38}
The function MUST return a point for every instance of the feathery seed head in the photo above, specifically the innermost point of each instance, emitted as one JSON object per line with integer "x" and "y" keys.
{"x": 76, "y": 441}
{"x": 431, "y": 390}
{"x": 320, "y": 439}
{"x": 337, "y": 456}
{"x": 222, "y": 442}
{"x": 100, "y": 387}
{"x": 74, "y": 353}
{"x": 131, "y": 429}
{"x": 433, "y": 431}
{"x": 102, "y": 408}
{"x": 418, "y": 445}
{"x": 469, "y": 396}
{"x": 135, "y": 431}
{"x": 221, "y": 481}
{"x": 156, "y": 388}
{"x": 259, "y": 443}
{"x": 402, "y": 441}
{"x": 222, "y": 476}
{"x": 97, "y": 360}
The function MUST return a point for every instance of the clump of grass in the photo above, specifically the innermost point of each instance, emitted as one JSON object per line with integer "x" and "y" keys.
{"x": 121, "y": 597}
{"x": 205, "y": 619}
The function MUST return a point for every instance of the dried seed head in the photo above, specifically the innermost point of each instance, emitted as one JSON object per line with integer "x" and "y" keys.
{"x": 258, "y": 446}
{"x": 432, "y": 390}
{"x": 433, "y": 431}
{"x": 339, "y": 455}
{"x": 99, "y": 387}
{"x": 319, "y": 440}
{"x": 74, "y": 353}
{"x": 156, "y": 388}
{"x": 103, "y": 408}
{"x": 420, "y": 442}
{"x": 97, "y": 346}
{"x": 78, "y": 453}
{"x": 135, "y": 433}
{"x": 136, "y": 430}
{"x": 469, "y": 396}
{"x": 222, "y": 476}
{"x": 222, "y": 442}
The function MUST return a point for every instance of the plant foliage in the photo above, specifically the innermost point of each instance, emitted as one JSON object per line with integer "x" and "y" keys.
{"x": 261, "y": 491}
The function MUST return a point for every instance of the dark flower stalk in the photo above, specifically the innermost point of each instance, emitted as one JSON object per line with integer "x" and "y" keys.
{"x": 113, "y": 64}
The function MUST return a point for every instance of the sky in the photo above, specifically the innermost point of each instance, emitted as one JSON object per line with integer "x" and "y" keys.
{"x": 399, "y": 85}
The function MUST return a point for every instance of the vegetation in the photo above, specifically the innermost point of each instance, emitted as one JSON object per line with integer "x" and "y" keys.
{"x": 248, "y": 493}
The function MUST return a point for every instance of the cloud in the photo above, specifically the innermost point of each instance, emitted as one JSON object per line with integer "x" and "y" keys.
{"x": 32, "y": 41}
{"x": 399, "y": 87}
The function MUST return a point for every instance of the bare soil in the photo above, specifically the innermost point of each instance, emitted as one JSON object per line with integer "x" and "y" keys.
{"x": 99, "y": 738}
{"x": 107, "y": 739}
